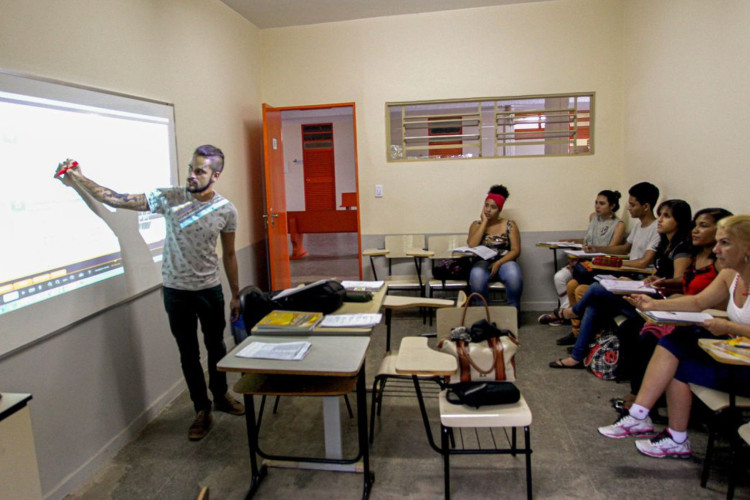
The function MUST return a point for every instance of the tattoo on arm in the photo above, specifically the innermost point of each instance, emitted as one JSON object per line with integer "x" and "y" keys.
{"x": 114, "y": 199}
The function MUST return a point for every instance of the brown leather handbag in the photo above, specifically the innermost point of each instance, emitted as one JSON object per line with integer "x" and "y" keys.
{"x": 491, "y": 359}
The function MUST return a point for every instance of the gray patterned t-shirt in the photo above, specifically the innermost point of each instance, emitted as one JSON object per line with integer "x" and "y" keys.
{"x": 190, "y": 259}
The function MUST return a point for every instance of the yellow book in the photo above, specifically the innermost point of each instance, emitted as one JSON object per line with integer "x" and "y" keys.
{"x": 290, "y": 320}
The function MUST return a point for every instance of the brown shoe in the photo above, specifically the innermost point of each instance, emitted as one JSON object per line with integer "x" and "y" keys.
{"x": 200, "y": 426}
{"x": 228, "y": 404}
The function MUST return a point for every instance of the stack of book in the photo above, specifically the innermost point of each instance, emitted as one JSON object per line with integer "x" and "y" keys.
{"x": 289, "y": 321}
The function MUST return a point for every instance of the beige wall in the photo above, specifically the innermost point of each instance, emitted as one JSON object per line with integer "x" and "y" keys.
{"x": 537, "y": 48}
{"x": 196, "y": 54}
{"x": 687, "y": 113}
{"x": 100, "y": 381}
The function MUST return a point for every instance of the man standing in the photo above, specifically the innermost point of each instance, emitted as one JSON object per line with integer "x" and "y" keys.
{"x": 196, "y": 216}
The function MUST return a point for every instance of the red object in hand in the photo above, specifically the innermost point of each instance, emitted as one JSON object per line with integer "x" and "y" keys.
{"x": 70, "y": 167}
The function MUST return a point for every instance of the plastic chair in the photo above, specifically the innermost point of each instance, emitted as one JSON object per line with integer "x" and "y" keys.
{"x": 717, "y": 402}
{"x": 387, "y": 369}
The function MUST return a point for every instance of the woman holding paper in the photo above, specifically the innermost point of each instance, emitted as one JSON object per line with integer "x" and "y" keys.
{"x": 605, "y": 229}
{"x": 678, "y": 360}
{"x": 502, "y": 235}
{"x": 598, "y": 306}
{"x": 702, "y": 270}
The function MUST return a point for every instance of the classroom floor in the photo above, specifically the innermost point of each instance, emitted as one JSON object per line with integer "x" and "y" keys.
{"x": 330, "y": 255}
{"x": 570, "y": 459}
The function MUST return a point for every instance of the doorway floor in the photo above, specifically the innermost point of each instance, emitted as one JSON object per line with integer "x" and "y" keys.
{"x": 330, "y": 255}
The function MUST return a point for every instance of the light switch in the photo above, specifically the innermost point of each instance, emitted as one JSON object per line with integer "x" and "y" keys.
{"x": 378, "y": 190}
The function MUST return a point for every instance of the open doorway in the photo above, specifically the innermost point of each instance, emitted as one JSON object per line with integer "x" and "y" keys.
{"x": 320, "y": 172}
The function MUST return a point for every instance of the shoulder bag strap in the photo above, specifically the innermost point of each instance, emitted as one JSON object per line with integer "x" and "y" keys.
{"x": 498, "y": 357}
{"x": 463, "y": 361}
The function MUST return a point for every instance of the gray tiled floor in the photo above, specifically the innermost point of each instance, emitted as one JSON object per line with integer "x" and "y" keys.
{"x": 570, "y": 459}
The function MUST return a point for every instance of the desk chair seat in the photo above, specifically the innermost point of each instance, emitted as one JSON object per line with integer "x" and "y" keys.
{"x": 483, "y": 440}
{"x": 387, "y": 369}
{"x": 717, "y": 402}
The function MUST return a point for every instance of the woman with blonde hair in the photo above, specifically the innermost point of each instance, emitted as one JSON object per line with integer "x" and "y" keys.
{"x": 679, "y": 361}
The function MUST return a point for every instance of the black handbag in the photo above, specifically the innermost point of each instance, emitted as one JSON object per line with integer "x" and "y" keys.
{"x": 478, "y": 394}
{"x": 453, "y": 269}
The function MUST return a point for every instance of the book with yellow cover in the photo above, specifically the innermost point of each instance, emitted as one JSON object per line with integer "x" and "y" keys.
{"x": 290, "y": 320}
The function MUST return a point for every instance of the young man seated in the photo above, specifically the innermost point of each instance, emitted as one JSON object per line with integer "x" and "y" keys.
{"x": 640, "y": 245}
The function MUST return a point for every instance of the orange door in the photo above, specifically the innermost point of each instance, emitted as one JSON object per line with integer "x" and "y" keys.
{"x": 319, "y": 168}
{"x": 275, "y": 216}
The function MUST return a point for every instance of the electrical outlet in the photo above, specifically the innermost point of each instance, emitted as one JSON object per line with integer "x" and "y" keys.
{"x": 378, "y": 190}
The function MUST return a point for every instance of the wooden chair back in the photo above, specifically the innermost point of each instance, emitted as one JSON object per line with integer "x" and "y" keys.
{"x": 442, "y": 245}
{"x": 398, "y": 245}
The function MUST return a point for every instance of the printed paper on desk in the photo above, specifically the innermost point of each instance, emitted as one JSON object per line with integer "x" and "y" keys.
{"x": 627, "y": 287}
{"x": 285, "y": 351}
{"x": 482, "y": 251}
{"x": 584, "y": 255}
{"x": 562, "y": 244}
{"x": 351, "y": 320}
{"x": 668, "y": 317}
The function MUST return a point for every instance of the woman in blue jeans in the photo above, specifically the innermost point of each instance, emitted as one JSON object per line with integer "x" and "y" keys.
{"x": 500, "y": 234}
{"x": 598, "y": 306}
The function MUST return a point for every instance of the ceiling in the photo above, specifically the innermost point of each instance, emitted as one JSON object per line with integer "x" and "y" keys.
{"x": 280, "y": 13}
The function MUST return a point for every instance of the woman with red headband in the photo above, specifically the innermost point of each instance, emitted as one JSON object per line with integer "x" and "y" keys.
{"x": 501, "y": 234}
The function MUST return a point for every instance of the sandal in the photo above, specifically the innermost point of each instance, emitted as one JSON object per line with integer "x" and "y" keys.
{"x": 551, "y": 319}
{"x": 558, "y": 363}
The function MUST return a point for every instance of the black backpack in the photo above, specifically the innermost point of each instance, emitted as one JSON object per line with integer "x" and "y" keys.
{"x": 323, "y": 296}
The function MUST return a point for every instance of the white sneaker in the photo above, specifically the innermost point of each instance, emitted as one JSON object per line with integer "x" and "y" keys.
{"x": 664, "y": 446}
{"x": 628, "y": 425}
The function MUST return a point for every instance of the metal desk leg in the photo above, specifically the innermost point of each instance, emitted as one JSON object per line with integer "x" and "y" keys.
{"x": 364, "y": 444}
{"x": 257, "y": 475}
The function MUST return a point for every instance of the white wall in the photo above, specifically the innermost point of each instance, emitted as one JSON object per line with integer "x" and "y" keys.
{"x": 687, "y": 118}
{"x": 97, "y": 383}
{"x": 536, "y": 48}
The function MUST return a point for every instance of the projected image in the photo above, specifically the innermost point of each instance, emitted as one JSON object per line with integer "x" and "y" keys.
{"x": 57, "y": 239}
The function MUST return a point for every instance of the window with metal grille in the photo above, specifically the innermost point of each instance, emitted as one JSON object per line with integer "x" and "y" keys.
{"x": 490, "y": 127}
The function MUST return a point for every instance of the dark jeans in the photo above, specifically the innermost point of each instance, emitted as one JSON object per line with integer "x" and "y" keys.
{"x": 596, "y": 309}
{"x": 184, "y": 309}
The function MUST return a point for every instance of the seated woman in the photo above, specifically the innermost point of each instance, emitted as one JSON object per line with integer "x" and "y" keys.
{"x": 501, "y": 234}
{"x": 699, "y": 274}
{"x": 598, "y": 306}
{"x": 678, "y": 360}
{"x": 605, "y": 229}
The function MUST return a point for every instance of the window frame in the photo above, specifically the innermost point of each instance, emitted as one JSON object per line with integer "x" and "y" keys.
{"x": 487, "y": 135}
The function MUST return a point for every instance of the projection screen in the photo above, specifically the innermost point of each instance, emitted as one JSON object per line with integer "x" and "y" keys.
{"x": 64, "y": 256}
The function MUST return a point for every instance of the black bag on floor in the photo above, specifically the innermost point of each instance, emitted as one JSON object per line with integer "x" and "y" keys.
{"x": 478, "y": 394}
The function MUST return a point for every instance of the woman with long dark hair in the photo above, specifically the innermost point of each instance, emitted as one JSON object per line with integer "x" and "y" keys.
{"x": 598, "y": 306}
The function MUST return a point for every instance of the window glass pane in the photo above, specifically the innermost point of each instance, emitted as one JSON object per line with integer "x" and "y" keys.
{"x": 491, "y": 127}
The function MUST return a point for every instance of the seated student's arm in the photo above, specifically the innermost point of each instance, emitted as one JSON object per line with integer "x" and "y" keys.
{"x": 476, "y": 231}
{"x": 618, "y": 237}
{"x": 643, "y": 262}
{"x": 673, "y": 284}
{"x": 621, "y": 249}
{"x": 714, "y": 294}
{"x": 513, "y": 253}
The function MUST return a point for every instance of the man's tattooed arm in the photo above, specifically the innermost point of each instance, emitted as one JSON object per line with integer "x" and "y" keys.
{"x": 107, "y": 196}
